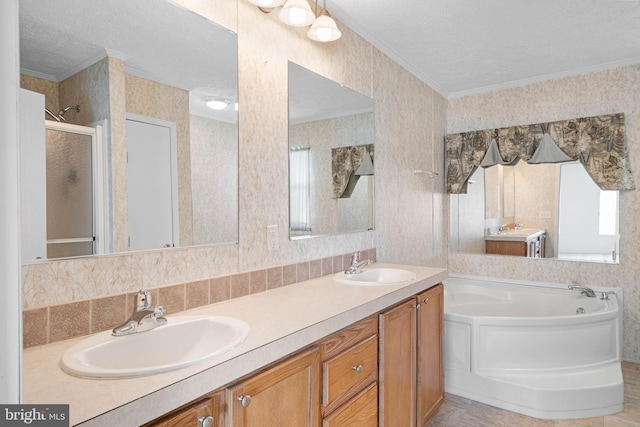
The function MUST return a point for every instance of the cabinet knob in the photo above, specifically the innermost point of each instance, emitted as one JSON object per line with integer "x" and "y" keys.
{"x": 244, "y": 400}
{"x": 357, "y": 368}
{"x": 426, "y": 300}
{"x": 205, "y": 421}
{"x": 417, "y": 306}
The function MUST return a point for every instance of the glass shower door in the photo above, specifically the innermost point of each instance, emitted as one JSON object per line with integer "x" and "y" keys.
{"x": 70, "y": 198}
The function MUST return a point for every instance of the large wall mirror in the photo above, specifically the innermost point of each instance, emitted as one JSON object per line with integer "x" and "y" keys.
{"x": 580, "y": 221}
{"x": 159, "y": 83}
{"x": 331, "y": 156}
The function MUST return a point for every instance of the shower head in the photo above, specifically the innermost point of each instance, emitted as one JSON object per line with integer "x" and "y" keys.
{"x": 71, "y": 107}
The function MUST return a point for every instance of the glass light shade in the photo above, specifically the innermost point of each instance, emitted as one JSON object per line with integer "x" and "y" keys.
{"x": 216, "y": 103}
{"x": 324, "y": 29}
{"x": 267, "y": 4}
{"x": 296, "y": 13}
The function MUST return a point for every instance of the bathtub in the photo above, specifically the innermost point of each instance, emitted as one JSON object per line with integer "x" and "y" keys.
{"x": 534, "y": 348}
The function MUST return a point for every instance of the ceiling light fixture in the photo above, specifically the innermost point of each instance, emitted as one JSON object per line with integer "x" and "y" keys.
{"x": 216, "y": 103}
{"x": 324, "y": 29}
{"x": 296, "y": 13}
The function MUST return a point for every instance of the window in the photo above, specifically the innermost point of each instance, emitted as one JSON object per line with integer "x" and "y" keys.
{"x": 608, "y": 213}
{"x": 299, "y": 191}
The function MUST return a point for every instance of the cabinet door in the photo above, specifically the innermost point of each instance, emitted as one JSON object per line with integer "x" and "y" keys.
{"x": 397, "y": 365}
{"x": 506, "y": 248}
{"x": 430, "y": 387}
{"x": 287, "y": 394}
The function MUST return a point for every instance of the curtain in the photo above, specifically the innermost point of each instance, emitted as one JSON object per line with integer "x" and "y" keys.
{"x": 597, "y": 142}
{"x": 299, "y": 189}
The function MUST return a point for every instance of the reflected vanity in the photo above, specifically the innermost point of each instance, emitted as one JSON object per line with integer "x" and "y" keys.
{"x": 73, "y": 52}
{"x": 331, "y": 156}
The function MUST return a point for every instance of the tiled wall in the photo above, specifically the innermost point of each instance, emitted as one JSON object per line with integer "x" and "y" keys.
{"x": 606, "y": 92}
{"x": 58, "y": 322}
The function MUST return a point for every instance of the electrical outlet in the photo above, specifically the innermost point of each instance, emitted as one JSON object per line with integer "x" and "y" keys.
{"x": 544, "y": 214}
{"x": 272, "y": 238}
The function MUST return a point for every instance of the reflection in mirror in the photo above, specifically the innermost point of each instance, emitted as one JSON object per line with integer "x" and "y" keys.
{"x": 331, "y": 156}
{"x": 576, "y": 219}
{"x": 99, "y": 67}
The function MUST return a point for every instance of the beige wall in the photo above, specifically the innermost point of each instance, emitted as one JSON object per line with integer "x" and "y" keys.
{"x": 214, "y": 180}
{"x": 409, "y": 126}
{"x": 593, "y": 94}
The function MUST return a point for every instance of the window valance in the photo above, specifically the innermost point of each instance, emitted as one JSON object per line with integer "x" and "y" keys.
{"x": 598, "y": 142}
{"x": 345, "y": 163}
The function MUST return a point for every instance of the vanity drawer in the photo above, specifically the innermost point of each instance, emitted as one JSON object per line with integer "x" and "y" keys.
{"x": 361, "y": 411}
{"x": 347, "y": 373}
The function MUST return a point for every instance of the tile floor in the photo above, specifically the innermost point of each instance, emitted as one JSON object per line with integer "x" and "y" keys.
{"x": 461, "y": 412}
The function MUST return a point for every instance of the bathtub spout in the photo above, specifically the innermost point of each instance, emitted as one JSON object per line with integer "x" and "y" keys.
{"x": 583, "y": 290}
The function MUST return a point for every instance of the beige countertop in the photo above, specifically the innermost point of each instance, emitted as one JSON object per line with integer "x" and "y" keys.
{"x": 520, "y": 235}
{"x": 282, "y": 321}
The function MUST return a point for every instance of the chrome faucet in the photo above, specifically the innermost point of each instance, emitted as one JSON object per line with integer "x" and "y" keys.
{"x": 605, "y": 295}
{"x": 583, "y": 290}
{"x": 502, "y": 229}
{"x": 357, "y": 264}
{"x": 517, "y": 226}
{"x": 144, "y": 318}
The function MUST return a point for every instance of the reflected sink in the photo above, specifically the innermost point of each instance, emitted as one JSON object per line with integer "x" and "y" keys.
{"x": 183, "y": 341}
{"x": 376, "y": 277}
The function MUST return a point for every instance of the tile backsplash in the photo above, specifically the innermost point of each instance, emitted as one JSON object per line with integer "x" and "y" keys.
{"x": 47, "y": 324}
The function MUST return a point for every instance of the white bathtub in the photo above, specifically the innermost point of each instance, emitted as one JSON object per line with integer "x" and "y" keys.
{"x": 521, "y": 346}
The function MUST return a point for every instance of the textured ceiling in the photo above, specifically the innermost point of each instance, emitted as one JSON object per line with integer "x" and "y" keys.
{"x": 460, "y": 47}
{"x": 156, "y": 40}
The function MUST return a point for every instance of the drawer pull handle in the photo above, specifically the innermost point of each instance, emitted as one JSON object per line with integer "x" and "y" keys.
{"x": 205, "y": 421}
{"x": 244, "y": 400}
{"x": 357, "y": 368}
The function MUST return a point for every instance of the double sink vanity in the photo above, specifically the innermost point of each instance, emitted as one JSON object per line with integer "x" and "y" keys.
{"x": 343, "y": 347}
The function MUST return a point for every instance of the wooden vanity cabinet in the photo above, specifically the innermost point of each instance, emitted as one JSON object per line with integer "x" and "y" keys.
{"x": 385, "y": 370}
{"x": 349, "y": 376}
{"x": 532, "y": 248}
{"x": 503, "y": 247}
{"x": 411, "y": 381}
{"x": 208, "y": 412}
{"x": 286, "y": 394}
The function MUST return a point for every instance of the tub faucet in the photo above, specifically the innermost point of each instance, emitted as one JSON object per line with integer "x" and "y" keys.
{"x": 144, "y": 318}
{"x": 583, "y": 290}
{"x": 356, "y": 264}
{"x": 605, "y": 295}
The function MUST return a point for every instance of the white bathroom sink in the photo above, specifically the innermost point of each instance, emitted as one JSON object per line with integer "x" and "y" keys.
{"x": 376, "y": 277}
{"x": 183, "y": 341}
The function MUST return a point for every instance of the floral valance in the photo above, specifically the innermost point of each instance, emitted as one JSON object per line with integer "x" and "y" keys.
{"x": 345, "y": 163}
{"x": 597, "y": 142}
